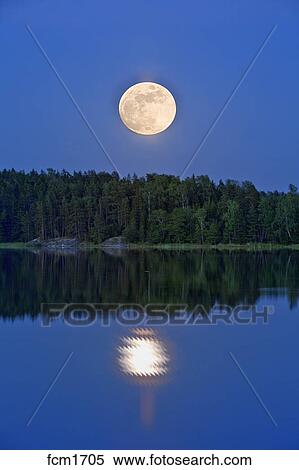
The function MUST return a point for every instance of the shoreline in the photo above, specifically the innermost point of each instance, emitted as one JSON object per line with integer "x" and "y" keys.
{"x": 166, "y": 247}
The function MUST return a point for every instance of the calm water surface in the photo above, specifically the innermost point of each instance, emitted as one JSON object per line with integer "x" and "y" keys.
{"x": 215, "y": 386}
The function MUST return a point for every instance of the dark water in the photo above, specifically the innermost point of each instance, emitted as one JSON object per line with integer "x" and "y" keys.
{"x": 200, "y": 386}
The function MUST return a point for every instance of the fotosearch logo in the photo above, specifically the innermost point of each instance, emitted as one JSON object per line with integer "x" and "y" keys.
{"x": 134, "y": 315}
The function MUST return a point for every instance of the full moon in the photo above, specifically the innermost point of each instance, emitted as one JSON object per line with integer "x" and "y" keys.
{"x": 147, "y": 108}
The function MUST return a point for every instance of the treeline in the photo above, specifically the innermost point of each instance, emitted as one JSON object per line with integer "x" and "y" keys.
{"x": 155, "y": 209}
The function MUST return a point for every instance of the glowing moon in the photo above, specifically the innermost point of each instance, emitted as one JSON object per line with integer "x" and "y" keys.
{"x": 147, "y": 108}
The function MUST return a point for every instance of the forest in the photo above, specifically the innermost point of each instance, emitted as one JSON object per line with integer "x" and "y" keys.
{"x": 152, "y": 209}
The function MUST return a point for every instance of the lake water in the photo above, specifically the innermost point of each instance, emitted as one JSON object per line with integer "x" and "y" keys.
{"x": 118, "y": 381}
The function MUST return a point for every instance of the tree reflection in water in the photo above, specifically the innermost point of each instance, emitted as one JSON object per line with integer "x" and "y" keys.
{"x": 28, "y": 279}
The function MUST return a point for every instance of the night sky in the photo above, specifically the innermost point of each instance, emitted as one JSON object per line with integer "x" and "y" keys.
{"x": 198, "y": 49}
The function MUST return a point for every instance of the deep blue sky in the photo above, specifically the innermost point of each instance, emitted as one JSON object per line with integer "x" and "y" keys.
{"x": 196, "y": 48}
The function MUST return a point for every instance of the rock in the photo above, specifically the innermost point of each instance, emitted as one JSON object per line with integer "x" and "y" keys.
{"x": 118, "y": 243}
{"x": 55, "y": 243}
{"x": 35, "y": 242}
